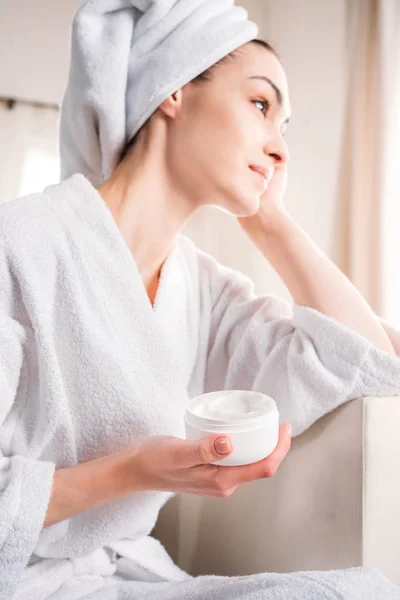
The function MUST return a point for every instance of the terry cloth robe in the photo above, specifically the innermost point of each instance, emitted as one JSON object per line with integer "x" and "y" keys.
{"x": 89, "y": 368}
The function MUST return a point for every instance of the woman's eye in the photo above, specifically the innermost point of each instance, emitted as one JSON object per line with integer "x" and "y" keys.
{"x": 262, "y": 102}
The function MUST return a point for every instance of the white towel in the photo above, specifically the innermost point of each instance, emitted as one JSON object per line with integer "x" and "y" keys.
{"x": 88, "y": 368}
{"x": 127, "y": 57}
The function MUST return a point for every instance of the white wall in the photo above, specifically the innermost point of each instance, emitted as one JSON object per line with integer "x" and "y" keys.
{"x": 34, "y": 38}
{"x": 310, "y": 38}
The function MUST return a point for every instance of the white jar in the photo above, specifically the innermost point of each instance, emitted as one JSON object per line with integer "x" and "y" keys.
{"x": 251, "y": 419}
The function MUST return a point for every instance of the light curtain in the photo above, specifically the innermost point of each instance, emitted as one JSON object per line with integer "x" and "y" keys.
{"x": 367, "y": 237}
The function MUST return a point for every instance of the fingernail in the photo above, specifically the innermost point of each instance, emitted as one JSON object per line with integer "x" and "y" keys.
{"x": 222, "y": 446}
{"x": 290, "y": 430}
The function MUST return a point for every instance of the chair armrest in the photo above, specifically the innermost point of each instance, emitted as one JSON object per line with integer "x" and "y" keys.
{"x": 333, "y": 504}
{"x": 381, "y": 520}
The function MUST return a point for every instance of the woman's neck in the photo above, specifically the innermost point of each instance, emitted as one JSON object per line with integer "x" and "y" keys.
{"x": 149, "y": 212}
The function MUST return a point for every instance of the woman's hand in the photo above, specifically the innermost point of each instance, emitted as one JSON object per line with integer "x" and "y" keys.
{"x": 172, "y": 464}
{"x": 271, "y": 205}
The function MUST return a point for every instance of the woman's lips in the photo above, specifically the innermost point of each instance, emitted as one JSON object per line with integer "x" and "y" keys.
{"x": 262, "y": 170}
{"x": 260, "y": 176}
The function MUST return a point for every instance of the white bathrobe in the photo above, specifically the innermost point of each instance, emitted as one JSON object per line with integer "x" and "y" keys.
{"x": 88, "y": 367}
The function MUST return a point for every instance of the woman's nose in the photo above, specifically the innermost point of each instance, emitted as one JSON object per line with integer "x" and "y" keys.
{"x": 278, "y": 149}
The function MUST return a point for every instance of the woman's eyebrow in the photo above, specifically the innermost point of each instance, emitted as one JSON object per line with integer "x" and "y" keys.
{"x": 278, "y": 93}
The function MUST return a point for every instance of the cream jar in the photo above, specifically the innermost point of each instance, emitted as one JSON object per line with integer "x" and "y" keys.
{"x": 251, "y": 419}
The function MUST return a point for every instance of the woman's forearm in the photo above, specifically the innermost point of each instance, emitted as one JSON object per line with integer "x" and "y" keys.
{"x": 90, "y": 484}
{"x": 314, "y": 281}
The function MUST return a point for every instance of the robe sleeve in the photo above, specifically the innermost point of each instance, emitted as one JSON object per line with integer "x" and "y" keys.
{"x": 308, "y": 362}
{"x": 25, "y": 483}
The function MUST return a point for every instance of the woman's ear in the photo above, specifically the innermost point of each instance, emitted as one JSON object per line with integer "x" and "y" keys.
{"x": 172, "y": 104}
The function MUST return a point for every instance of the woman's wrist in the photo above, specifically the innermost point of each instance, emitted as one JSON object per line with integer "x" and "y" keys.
{"x": 274, "y": 228}
{"x": 127, "y": 473}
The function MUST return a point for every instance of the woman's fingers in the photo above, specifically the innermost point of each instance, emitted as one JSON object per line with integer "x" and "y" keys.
{"x": 266, "y": 467}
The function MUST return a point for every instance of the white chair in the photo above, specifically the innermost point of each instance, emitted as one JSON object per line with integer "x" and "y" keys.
{"x": 334, "y": 503}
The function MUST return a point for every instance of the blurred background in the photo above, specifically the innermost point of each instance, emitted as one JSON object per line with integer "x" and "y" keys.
{"x": 342, "y": 58}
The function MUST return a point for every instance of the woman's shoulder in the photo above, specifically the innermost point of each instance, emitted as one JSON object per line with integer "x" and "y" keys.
{"x": 226, "y": 285}
{"x": 27, "y": 220}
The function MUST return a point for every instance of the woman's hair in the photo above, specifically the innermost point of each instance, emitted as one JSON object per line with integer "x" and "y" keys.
{"x": 207, "y": 76}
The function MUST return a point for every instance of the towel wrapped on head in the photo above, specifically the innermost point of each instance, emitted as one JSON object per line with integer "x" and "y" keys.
{"x": 127, "y": 57}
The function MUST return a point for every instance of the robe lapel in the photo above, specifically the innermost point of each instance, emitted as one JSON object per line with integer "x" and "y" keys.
{"x": 159, "y": 342}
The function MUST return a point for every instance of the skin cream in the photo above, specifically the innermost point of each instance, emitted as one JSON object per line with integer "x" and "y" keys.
{"x": 251, "y": 420}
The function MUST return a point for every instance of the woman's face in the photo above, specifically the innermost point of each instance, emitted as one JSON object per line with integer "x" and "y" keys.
{"x": 235, "y": 120}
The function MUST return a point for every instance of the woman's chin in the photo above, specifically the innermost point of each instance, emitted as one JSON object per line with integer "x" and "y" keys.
{"x": 245, "y": 205}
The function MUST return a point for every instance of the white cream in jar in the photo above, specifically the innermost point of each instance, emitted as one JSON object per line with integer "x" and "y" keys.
{"x": 250, "y": 419}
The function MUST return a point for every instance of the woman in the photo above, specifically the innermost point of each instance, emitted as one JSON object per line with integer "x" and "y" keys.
{"x": 111, "y": 318}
